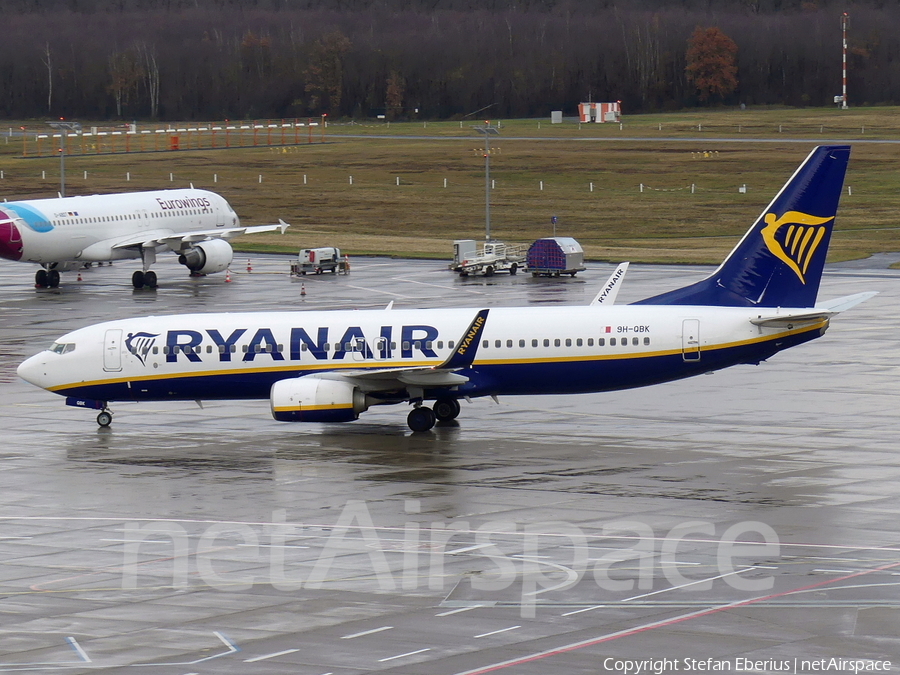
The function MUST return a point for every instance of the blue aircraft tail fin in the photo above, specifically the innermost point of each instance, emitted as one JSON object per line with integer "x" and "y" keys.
{"x": 779, "y": 261}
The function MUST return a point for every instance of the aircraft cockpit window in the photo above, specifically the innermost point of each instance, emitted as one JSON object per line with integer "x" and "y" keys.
{"x": 62, "y": 347}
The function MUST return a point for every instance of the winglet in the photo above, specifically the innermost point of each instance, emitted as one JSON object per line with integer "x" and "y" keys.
{"x": 607, "y": 294}
{"x": 467, "y": 347}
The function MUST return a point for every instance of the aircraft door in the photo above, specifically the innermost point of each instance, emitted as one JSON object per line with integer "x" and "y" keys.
{"x": 690, "y": 339}
{"x": 112, "y": 350}
{"x": 359, "y": 349}
{"x": 380, "y": 349}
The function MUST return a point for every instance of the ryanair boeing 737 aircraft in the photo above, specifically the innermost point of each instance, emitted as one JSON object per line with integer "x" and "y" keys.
{"x": 331, "y": 366}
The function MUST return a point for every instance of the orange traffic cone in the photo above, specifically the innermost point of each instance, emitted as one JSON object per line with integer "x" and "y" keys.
{"x": 249, "y": 269}
{"x": 302, "y": 289}
{"x": 228, "y": 276}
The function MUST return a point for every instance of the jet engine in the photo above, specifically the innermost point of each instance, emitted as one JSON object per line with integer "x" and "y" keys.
{"x": 314, "y": 399}
{"x": 208, "y": 257}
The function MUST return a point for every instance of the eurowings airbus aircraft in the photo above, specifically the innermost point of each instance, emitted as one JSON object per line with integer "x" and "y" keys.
{"x": 63, "y": 234}
{"x": 330, "y": 366}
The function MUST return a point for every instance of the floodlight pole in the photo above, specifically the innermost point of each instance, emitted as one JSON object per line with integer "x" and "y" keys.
{"x": 64, "y": 128}
{"x": 487, "y": 131}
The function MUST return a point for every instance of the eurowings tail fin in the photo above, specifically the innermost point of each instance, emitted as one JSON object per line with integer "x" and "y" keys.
{"x": 779, "y": 261}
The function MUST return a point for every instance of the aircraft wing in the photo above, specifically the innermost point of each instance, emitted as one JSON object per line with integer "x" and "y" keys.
{"x": 442, "y": 375}
{"x": 824, "y": 310}
{"x": 176, "y": 240}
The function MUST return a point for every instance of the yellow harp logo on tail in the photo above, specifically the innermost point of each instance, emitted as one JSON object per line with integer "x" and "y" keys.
{"x": 796, "y": 247}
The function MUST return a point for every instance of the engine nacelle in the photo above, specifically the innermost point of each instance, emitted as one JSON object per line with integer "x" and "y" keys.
{"x": 208, "y": 257}
{"x": 313, "y": 399}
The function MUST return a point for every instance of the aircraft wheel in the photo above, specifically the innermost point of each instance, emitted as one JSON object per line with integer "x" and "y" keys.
{"x": 104, "y": 419}
{"x": 446, "y": 409}
{"x": 421, "y": 419}
{"x": 53, "y": 279}
{"x": 40, "y": 278}
{"x": 137, "y": 279}
{"x": 150, "y": 279}
{"x": 513, "y": 269}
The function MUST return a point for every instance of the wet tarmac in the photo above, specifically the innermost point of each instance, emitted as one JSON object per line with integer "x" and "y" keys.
{"x": 747, "y": 516}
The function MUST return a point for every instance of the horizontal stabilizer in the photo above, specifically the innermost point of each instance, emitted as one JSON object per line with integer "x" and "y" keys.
{"x": 789, "y": 319}
{"x": 839, "y": 305}
{"x": 824, "y": 310}
{"x": 607, "y": 294}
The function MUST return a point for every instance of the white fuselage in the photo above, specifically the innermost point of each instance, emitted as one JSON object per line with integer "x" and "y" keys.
{"x": 521, "y": 350}
{"x": 93, "y": 228}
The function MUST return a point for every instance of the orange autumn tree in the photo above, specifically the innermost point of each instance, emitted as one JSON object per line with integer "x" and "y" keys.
{"x": 711, "y": 66}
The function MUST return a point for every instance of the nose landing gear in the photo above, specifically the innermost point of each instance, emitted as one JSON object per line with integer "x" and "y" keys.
{"x": 104, "y": 418}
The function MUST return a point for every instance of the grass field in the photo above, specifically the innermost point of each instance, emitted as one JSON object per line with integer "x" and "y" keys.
{"x": 668, "y": 222}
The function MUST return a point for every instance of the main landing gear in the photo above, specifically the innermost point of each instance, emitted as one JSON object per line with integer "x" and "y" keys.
{"x": 140, "y": 279}
{"x": 422, "y": 418}
{"x": 46, "y": 278}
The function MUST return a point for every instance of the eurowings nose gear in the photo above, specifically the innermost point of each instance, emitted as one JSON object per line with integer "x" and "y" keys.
{"x": 10, "y": 239}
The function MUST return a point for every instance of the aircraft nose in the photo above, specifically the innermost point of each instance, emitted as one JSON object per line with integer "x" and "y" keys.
{"x": 34, "y": 370}
{"x": 10, "y": 239}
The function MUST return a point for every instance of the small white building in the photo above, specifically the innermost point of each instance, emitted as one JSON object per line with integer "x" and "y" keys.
{"x": 600, "y": 112}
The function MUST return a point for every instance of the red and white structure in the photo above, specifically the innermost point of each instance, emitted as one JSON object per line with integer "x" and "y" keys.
{"x": 600, "y": 112}
{"x": 844, "y": 61}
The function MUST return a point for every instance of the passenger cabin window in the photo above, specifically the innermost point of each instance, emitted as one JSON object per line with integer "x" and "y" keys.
{"x": 646, "y": 341}
{"x": 568, "y": 342}
{"x": 521, "y": 343}
{"x": 450, "y": 344}
{"x": 546, "y": 342}
{"x": 485, "y": 343}
{"x": 534, "y": 343}
{"x": 556, "y": 342}
{"x": 590, "y": 342}
{"x": 612, "y": 341}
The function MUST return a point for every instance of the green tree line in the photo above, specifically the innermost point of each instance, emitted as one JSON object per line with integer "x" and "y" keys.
{"x": 426, "y": 59}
